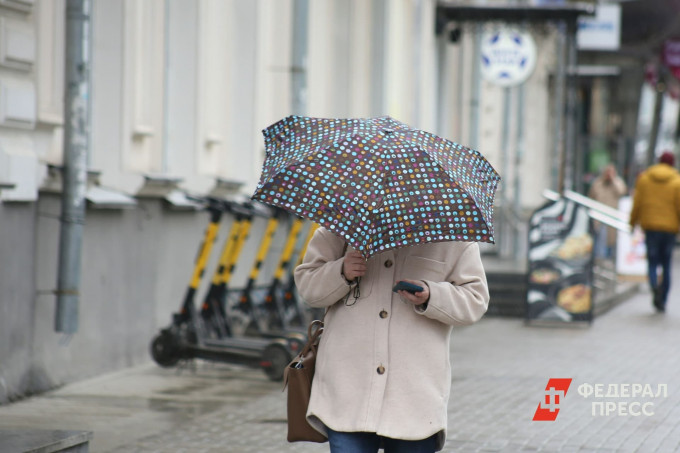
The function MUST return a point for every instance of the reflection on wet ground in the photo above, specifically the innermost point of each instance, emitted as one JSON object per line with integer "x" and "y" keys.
{"x": 139, "y": 404}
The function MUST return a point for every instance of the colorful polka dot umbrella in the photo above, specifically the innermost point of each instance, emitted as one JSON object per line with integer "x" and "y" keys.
{"x": 377, "y": 182}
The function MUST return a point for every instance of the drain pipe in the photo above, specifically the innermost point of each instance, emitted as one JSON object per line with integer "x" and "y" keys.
{"x": 299, "y": 76}
{"x": 74, "y": 175}
{"x": 476, "y": 86}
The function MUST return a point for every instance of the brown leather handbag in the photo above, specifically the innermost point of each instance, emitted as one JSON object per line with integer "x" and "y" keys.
{"x": 298, "y": 377}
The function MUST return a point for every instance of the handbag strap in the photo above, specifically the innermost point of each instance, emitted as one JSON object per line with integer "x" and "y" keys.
{"x": 314, "y": 332}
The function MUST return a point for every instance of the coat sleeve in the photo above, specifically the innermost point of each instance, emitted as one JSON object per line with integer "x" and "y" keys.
{"x": 635, "y": 210}
{"x": 620, "y": 186}
{"x": 464, "y": 297}
{"x": 319, "y": 278}
{"x": 677, "y": 198}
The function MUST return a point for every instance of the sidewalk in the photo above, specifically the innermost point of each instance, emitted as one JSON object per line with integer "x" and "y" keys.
{"x": 500, "y": 371}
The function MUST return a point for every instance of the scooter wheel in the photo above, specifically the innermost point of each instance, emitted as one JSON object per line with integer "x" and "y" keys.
{"x": 164, "y": 350}
{"x": 275, "y": 359}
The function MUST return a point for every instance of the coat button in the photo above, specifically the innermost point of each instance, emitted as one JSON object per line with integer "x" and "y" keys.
{"x": 381, "y": 369}
{"x": 388, "y": 263}
{"x": 383, "y": 314}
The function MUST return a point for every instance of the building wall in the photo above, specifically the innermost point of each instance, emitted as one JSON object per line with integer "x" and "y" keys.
{"x": 17, "y": 290}
{"x": 180, "y": 91}
{"x": 136, "y": 265}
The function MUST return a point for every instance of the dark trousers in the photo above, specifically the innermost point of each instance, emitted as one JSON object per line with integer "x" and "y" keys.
{"x": 660, "y": 253}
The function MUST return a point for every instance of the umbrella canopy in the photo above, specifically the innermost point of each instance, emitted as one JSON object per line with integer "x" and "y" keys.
{"x": 377, "y": 182}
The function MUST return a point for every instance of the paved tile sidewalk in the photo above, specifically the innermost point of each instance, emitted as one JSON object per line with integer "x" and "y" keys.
{"x": 500, "y": 370}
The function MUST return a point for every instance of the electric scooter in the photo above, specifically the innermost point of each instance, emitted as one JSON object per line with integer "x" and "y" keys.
{"x": 273, "y": 305}
{"x": 291, "y": 303}
{"x": 245, "y": 300}
{"x": 258, "y": 325}
{"x": 285, "y": 310}
{"x": 186, "y": 337}
{"x": 213, "y": 310}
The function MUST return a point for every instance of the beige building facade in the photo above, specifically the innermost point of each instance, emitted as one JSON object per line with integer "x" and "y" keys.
{"x": 179, "y": 93}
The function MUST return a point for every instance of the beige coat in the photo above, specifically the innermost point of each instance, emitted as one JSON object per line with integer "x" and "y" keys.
{"x": 609, "y": 193}
{"x": 383, "y": 364}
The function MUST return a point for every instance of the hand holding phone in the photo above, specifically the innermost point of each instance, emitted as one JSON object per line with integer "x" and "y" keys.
{"x": 405, "y": 286}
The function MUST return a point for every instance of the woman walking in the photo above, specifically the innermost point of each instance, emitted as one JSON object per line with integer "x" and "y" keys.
{"x": 383, "y": 373}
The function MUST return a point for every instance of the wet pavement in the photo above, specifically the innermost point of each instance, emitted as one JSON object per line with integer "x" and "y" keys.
{"x": 500, "y": 371}
{"x": 124, "y": 406}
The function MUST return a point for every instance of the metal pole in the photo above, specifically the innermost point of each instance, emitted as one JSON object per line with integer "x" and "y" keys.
{"x": 505, "y": 143}
{"x": 299, "y": 76}
{"x": 570, "y": 139}
{"x": 656, "y": 120}
{"x": 442, "y": 92}
{"x": 476, "y": 86}
{"x": 165, "y": 152}
{"x": 417, "y": 65}
{"x": 460, "y": 101}
{"x": 519, "y": 154}
{"x": 379, "y": 10}
{"x": 558, "y": 151}
{"x": 76, "y": 144}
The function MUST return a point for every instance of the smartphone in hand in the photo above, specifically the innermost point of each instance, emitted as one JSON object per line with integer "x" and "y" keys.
{"x": 405, "y": 286}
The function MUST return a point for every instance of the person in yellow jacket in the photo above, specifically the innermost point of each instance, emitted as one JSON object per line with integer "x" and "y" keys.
{"x": 656, "y": 208}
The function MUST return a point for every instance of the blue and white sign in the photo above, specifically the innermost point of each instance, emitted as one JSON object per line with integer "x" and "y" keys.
{"x": 601, "y": 32}
{"x": 508, "y": 56}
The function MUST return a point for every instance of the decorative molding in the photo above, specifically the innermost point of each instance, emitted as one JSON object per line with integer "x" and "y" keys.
{"x": 142, "y": 131}
{"x": 213, "y": 142}
{"x": 105, "y": 198}
{"x": 225, "y": 188}
{"x": 215, "y": 25}
{"x": 158, "y": 186}
{"x": 51, "y": 29}
{"x": 53, "y": 181}
{"x": 179, "y": 201}
{"x": 23, "y": 172}
{"x": 17, "y": 44}
{"x": 20, "y": 5}
{"x": 143, "y": 84}
{"x": 17, "y": 103}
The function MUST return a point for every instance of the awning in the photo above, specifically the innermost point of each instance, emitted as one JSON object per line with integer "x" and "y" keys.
{"x": 454, "y": 11}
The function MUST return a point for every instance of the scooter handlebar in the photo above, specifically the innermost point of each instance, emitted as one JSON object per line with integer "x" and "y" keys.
{"x": 249, "y": 208}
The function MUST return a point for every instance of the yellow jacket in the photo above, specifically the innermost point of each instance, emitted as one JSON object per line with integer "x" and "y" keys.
{"x": 656, "y": 202}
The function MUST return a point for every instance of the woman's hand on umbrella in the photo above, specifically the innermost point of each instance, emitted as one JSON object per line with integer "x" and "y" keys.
{"x": 354, "y": 265}
{"x": 418, "y": 298}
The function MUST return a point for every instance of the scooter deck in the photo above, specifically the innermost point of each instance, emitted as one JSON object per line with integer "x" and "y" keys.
{"x": 242, "y": 345}
{"x": 226, "y": 354}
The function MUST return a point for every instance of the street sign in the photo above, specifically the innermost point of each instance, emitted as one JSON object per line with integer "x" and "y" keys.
{"x": 508, "y": 56}
{"x": 602, "y": 32}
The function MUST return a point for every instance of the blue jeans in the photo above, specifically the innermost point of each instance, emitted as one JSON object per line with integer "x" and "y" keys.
{"x": 343, "y": 442}
{"x": 660, "y": 253}
{"x": 602, "y": 248}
